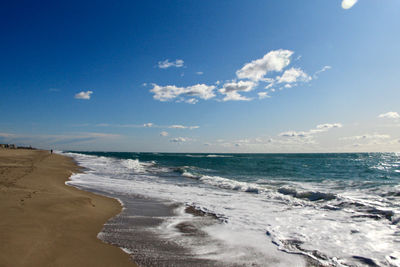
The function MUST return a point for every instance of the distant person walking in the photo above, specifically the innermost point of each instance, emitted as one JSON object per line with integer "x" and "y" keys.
{"x": 51, "y": 151}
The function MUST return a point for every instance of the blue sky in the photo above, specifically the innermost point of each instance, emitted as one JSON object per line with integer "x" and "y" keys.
{"x": 201, "y": 76}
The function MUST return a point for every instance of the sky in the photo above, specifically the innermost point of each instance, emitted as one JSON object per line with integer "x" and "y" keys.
{"x": 270, "y": 76}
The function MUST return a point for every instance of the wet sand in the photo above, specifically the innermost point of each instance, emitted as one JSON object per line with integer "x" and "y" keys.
{"x": 46, "y": 223}
{"x": 134, "y": 229}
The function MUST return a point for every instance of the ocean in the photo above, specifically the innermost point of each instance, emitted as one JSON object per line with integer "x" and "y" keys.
{"x": 250, "y": 209}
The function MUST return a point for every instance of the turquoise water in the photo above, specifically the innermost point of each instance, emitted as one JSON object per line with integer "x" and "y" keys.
{"x": 369, "y": 169}
{"x": 339, "y": 209}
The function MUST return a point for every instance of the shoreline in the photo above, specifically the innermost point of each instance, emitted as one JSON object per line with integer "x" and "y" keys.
{"x": 159, "y": 231}
{"x": 46, "y": 222}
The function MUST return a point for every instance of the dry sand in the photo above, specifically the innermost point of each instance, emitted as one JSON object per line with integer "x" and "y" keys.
{"x": 46, "y": 223}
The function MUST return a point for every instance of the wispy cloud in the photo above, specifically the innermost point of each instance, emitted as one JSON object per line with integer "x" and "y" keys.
{"x": 59, "y": 139}
{"x": 146, "y": 125}
{"x": 84, "y": 95}
{"x": 164, "y": 133}
{"x": 305, "y": 134}
{"x": 262, "y": 95}
{"x": 167, "y": 64}
{"x": 199, "y": 73}
{"x": 179, "y": 139}
{"x": 347, "y": 4}
{"x": 285, "y": 139}
{"x": 183, "y": 127}
{"x": 191, "y": 101}
{"x": 390, "y": 115}
{"x": 325, "y": 68}
{"x": 367, "y": 140}
{"x": 367, "y": 137}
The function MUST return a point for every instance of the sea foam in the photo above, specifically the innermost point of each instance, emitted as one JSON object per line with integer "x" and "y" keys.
{"x": 330, "y": 227}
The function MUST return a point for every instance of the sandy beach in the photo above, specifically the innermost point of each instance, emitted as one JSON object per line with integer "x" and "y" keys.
{"x": 47, "y": 223}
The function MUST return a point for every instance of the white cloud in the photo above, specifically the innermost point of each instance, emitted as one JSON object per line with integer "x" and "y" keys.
{"x": 235, "y": 96}
{"x": 329, "y": 125}
{"x": 167, "y": 64}
{"x": 164, "y": 133}
{"x": 275, "y": 60}
{"x": 177, "y": 126}
{"x": 325, "y": 68}
{"x": 262, "y": 95}
{"x": 231, "y": 89}
{"x": 293, "y": 75}
{"x": 165, "y": 93}
{"x": 191, "y": 101}
{"x": 179, "y": 140}
{"x": 244, "y": 86}
{"x": 325, "y": 127}
{"x": 248, "y": 78}
{"x": 346, "y": 4}
{"x": 294, "y": 134}
{"x": 201, "y": 90}
{"x": 170, "y": 92}
{"x": 84, "y": 95}
{"x": 390, "y": 115}
{"x": 303, "y": 134}
{"x": 148, "y": 125}
{"x": 367, "y": 137}
{"x": 145, "y": 125}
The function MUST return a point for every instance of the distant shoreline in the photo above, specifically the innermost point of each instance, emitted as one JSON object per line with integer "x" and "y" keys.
{"x": 47, "y": 223}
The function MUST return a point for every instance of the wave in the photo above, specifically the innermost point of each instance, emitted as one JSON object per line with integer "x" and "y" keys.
{"x": 355, "y": 216}
{"x": 310, "y": 195}
{"x": 230, "y": 184}
{"x": 189, "y": 175}
{"x": 134, "y": 165}
{"x": 208, "y": 156}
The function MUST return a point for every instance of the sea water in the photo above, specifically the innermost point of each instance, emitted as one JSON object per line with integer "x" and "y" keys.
{"x": 337, "y": 209}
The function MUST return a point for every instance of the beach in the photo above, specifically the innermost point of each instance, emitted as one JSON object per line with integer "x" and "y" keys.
{"x": 256, "y": 209}
{"x": 188, "y": 209}
{"x": 47, "y": 223}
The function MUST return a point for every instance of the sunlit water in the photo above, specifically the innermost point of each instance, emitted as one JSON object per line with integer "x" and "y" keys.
{"x": 339, "y": 209}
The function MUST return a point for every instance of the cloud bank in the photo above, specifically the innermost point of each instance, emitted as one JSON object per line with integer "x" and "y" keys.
{"x": 390, "y": 115}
